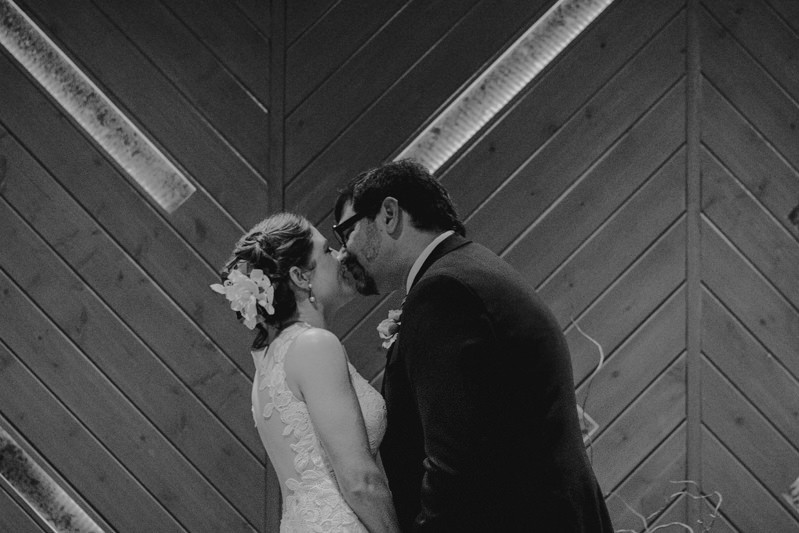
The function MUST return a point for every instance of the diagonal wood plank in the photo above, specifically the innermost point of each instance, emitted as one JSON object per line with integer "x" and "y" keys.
{"x": 412, "y": 100}
{"x": 764, "y": 35}
{"x": 616, "y": 314}
{"x": 609, "y": 115}
{"x": 583, "y": 276}
{"x": 103, "y": 372}
{"x": 648, "y": 488}
{"x": 634, "y": 365}
{"x": 358, "y": 84}
{"x": 116, "y": 277}
{"x": 750, "y": 88}
{"x": 162, "y": 112}
{"x": 760, "y": 237}
{"x": 13, "y": 516}
{"x": 544, "y": 107}
{"x": 747, "y": 434}
{"x": 789, "y": 11}
{"x": 592, "y": 199}
{"x": 233, "y": 39}
{"x": 331, "y": 42}
{"x": 302, "y": 15}
{"x": 137, "y": 227}
{"x": 95, "y": 472}
{"x": 186, "y": 61}
{"x": 92, "y": 177}
{"x": 176, "y": 366}
{"x": 758, "y": 375}
{"x": 748, "y": 296}
{"x": 747, "y": 505}
{"x": 641, "y": 428}
{"x": 750, "y": 158}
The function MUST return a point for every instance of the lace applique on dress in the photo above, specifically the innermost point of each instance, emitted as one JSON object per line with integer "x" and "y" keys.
{"x": 313, "y": 501}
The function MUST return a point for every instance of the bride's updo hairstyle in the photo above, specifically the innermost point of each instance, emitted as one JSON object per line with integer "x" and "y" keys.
{"x": 274, "y": 245}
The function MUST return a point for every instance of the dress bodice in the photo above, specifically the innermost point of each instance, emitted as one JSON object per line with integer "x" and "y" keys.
{"x": 311, "y": 498}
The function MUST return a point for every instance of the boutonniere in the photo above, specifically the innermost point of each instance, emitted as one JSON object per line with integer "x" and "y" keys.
{"x": 389, "y": 328}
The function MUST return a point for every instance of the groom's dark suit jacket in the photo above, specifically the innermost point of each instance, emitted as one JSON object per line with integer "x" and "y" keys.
{"x": 482, "y": 424}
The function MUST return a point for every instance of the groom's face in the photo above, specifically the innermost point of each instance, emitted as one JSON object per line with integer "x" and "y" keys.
{"x": 361, "y": 250}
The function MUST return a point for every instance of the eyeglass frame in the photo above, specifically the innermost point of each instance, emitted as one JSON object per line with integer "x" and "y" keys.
{"x": 343, "y": 229}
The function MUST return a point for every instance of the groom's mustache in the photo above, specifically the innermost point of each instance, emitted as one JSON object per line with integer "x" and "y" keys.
{"x": 364, "y": 283}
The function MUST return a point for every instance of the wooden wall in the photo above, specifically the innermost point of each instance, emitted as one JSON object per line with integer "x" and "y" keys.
{"x": 647, "y": 183}
{"x": 120, "y": 368}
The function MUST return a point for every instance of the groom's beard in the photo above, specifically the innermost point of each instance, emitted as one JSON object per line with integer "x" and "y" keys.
{"x": 364, "y": 283}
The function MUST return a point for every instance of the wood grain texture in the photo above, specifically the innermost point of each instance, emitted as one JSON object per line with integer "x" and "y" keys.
{"x": 105, "y": 353}
{"x": 752, "y": 229}
{"x": 647, "y": 423}
{"x": 587, "y": 183}
{"x": 411, "y": 101}
{"x": 93, "y": 470}
{"x": 751, "y": 158}
{"x": 648, "y": 489}
{"x": 616, "y": 243}
{"x": 131, "y": 79}
{"x": 13, "y": 513}
{"x": 747, "y": 504}
{"x": 747, "y": 434}
{"x": 740, "y": 357}
{"x": 545, "y": 107}
{"x": 751, "y": 88}
{"x": 554, "y": 169}
{"x": 628, "y": 301}
{"x": 750, "y": 297}
{"x": 236, "y": 42}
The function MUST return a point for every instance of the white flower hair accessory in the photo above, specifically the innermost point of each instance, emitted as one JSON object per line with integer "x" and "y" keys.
{"x": 389, "y": 328}
{"x": 246, "y": 292}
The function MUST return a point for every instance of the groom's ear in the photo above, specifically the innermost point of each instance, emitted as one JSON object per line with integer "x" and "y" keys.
{"x": 390, "y": 212}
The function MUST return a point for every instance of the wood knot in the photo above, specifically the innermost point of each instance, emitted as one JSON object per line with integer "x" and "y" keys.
{"x": 793, "y": 216}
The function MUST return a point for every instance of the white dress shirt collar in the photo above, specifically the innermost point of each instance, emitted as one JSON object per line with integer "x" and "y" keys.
{"x": 417, "y": 265}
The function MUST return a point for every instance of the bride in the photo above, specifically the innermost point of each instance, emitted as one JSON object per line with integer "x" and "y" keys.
{"x": 319, "y": 420}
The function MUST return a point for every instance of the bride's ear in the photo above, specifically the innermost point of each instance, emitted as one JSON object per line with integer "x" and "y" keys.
{"x": 299, "y": 277}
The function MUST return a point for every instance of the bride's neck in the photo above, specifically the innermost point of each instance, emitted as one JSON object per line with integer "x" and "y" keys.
{"x": 311, "y": 314}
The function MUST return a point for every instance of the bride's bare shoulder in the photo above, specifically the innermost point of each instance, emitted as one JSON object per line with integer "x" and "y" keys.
{"x": 316, "y": 346}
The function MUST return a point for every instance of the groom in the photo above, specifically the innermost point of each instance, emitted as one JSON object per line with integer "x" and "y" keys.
{"x": 482, "y": 432}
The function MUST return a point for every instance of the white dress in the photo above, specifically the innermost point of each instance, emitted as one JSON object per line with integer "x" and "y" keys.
{"x": 311, "y": 497}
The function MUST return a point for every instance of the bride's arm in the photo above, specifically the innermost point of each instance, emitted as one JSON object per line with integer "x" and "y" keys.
{"x": 317, "y": 365}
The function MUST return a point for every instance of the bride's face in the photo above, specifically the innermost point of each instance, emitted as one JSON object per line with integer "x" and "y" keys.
{"x": 333, "y": 285}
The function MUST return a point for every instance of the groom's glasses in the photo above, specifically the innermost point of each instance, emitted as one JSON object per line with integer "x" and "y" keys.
{"x": 343, "y": 229}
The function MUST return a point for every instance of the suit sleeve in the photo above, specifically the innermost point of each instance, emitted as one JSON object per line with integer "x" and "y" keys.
{"x": 447, "y": 337}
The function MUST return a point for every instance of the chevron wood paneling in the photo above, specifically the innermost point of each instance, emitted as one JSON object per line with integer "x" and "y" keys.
{"x": 122, "y": 372}
{"x": 119, "y": 368}
{"x": 750, "y": 236}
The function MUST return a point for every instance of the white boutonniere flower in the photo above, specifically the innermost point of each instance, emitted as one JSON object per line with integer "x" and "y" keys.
{"x": 389, "y": 328}
{"x": 245, "y": 292}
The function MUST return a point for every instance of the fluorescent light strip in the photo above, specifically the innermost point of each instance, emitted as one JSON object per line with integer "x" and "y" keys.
{"x": 40, "y": 492}
{"x": 87, "y": 104}
{"x": 502, "y": 81}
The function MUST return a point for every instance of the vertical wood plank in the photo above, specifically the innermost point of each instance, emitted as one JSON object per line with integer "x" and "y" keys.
{"x": 693, "y": 199}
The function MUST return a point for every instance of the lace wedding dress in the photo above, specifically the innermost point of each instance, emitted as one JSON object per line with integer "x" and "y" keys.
{"x": 311, "y": 498}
